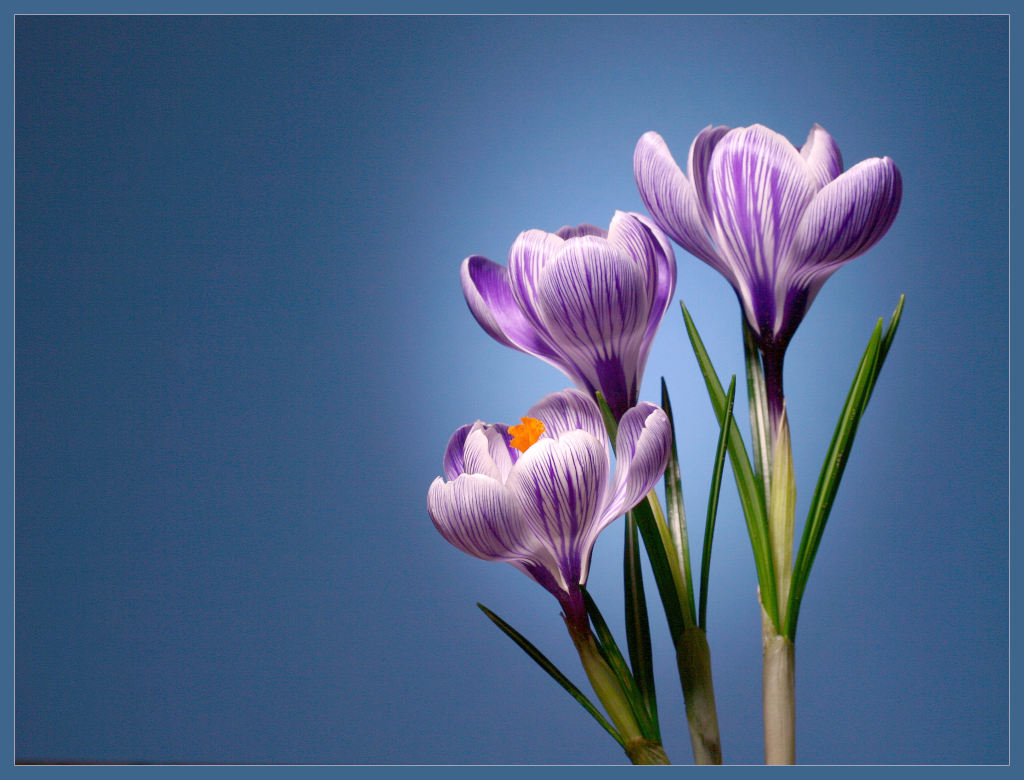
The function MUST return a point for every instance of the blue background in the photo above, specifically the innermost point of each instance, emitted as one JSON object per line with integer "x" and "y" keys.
{"x": 241, "y": 346}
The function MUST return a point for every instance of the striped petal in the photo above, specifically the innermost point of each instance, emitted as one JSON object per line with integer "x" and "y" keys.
{"x": 758, "y": 189}
{"x": 653, "y": 254}
{"x": 822, "y": 156}
{"x": 481, "y": 517}
{"x": 671, "y": 199}
{"x": 592, "y": 301}
{"x": 561, "y": 486}
{"x": 569, "y": 410}
{"x": 641, "y": 453}
{"x": 530, "y": 253}
{"x": 454, "y": 462}
{"x": 486, "y": 450}
{"x": 489, "y": 296}
{"x": 575, "y": 231}
{"x": 849, "y": 215}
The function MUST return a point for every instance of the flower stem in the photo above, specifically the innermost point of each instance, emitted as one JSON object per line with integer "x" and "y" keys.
{"x": 641, "y": 751}
{"x": 693, "y": 657}
{"x": 616, "y": 701}
{"x": 778, "y": 694}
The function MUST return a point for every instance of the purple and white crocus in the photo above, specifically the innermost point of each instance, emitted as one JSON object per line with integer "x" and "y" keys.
{"x": 586, "y": 300}
{"x": 538, "y": 496}
{"x": 775, "y": 220}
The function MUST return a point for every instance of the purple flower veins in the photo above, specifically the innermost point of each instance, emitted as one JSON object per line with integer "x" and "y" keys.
{"x": 542, "y": 509}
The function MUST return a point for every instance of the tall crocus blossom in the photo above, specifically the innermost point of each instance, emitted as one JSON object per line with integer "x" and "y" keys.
{"x": 537, "y": 495}
{"x": 775, "y": 220}
{"x": 586, "y": 300}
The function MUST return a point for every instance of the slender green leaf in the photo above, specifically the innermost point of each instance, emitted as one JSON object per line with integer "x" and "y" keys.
{"x": 646, "y": 719}
{"x": 757, "y": 396}
{"x": 551, "y": 669}
{"x": 610, "y": 423}
{"x": 638, "y": 631}
{"x": 654, "y": 543}
{"x": 835, "y": 461}
{"x": 716, "y": 485}
{"x": 675, "y": 511}
{"x": 832, "y": 472}
{"x": 750, "y": 489}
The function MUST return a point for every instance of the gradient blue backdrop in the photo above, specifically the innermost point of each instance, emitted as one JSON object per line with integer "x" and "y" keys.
{"x": 242, "y": 346}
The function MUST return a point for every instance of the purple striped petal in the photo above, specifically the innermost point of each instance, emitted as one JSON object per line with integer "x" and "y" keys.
{"x": 454, "y": 462}
{"x": 530, "y": 253}
{"x": 575, "y": 231}
{"x": 850, "y": 215}
{"x": 697, "y": 165}
{"x": 486, "y": 450}
{"x": 481, "y": 517}
{"x": 671, "y": 199}
{"x": 569, "y": 410}
{"x": 758, "y": 189}
{"x": 641, "y": 453}
{"x": 489, "y": 296}
{"x": 561, "y": 486}
{"x": 591, "y": 298}
{"x": 822, "y": 156}
{"x": 653, "y": 254}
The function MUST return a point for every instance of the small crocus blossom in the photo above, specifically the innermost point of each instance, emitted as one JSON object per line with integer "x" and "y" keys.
{"x": 586, "y": 300}
{"x": 541, "y": 508}
{"x": 775, "y": 220}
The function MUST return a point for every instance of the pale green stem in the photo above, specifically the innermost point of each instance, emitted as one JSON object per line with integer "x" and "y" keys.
{"x": 778, "y": 695}
{"x": 616, "y": 703}
{"x": 782, "y": 513}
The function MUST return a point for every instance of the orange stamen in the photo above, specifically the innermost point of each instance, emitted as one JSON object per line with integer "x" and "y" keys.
{"x": 524, "y": 436}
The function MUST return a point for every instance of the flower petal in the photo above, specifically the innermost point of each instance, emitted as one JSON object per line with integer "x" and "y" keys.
{"x": 486, "y": 450}
{"x": 591, "y": 298}
{"x": 561, "y": 486}
{"x": 641, "y": 453}
{"x": 850, "y": 214}
{"x": 570, "y": 231}
{"x": 822, "y": 155}
{"x": 642, "y": 239}
{"x": 758, "y": 188}
{"x": 671, "y": 199}
{"x": 486, "y": 287}
{"x": 481, "y": 517}
{"x": 454, "y": 461}
{"x": 530, "y": 253}
{"x": 697, "y": 164}
{"x": 569, "y": 410}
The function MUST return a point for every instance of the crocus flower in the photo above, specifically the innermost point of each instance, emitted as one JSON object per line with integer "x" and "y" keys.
{"x": 775, "y": 220}
{"x": 586, "y": 300}
{"x": 537, "y": 495}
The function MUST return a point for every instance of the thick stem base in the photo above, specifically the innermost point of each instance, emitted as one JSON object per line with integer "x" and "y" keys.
{"x": 779, "y": 697}
{"x": 693, "y": 658}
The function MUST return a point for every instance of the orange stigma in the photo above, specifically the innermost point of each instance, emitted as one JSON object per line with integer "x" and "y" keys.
{"x": 525, "y": 436}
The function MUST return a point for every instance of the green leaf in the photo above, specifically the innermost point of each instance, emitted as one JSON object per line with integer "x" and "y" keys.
{"x": 716, "y": 485}
{"x": 638, "y": 631}
{"x": 646, "y": 719}
{"x": 610, "y": 423}
{"x": 655, "y": 544}
{"x": 835, "y": 460}
{"x": 551, "y": 669}
{"x": 757, "y": 397}
{"x": 751, "y": 490}
{"x": 675, "y": 511}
